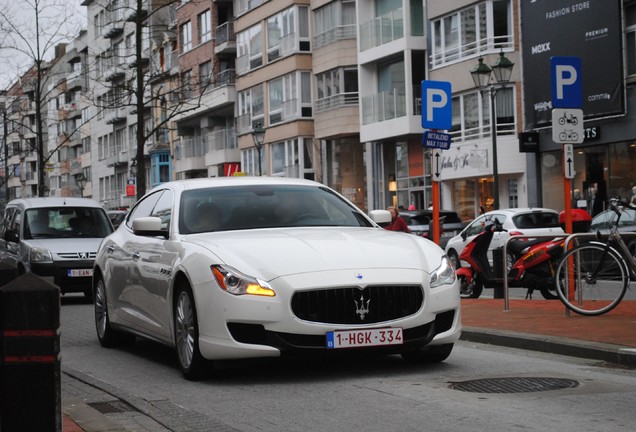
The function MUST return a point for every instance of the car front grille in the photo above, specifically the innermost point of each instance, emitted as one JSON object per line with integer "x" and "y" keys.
{"x": 78, "y": 255}
{"x": 352, "y": 305}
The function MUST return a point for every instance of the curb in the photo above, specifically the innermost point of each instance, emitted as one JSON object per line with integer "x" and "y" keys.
{"x": 617, "y": 354}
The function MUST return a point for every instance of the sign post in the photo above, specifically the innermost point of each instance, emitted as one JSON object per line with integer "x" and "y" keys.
{"x": 567, "y": 119}
{"x": 567, "y": 128}
{"x": 437, "y": 115}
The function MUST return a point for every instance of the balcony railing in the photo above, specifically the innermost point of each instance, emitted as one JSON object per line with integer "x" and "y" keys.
{"x": 472, "y": 49}
{"x": 383, "y": 106}
{"x": 222, "y": 139}
{"x": 335, "y": 34}
{"x": 225, "y": 33}
{"x": 381, "y": 30}
{"x": 337, "y": 100}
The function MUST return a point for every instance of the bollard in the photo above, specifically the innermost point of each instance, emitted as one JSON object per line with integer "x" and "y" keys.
{"x": 30, "y": 393}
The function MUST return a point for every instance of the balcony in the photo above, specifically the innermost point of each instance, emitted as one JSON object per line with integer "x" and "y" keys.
{"x": 225, "y": 39}
{"x": 116, "y": 157}
{"x": 133, "y": 13}
{"x": 75, "y": 80}
{"x": 115, "y": 115}
{"x": 222, "y": 147}
{"x": 382, "y": 30}
{"x": 113, "y": 29}
{"x": 334, "y": 35}
{"x": 383, "y": 106}
{"x": 114, "y": 73}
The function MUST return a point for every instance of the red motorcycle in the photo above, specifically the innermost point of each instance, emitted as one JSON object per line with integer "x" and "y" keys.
{"x": 531, "y": 261}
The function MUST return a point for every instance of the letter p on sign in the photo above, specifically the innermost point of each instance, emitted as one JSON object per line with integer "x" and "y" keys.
{"x": 567, "y": 85}
{"x": 437, "y": 105}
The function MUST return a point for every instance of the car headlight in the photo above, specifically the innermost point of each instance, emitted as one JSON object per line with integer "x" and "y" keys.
{"x": 444, "y": 274}
{"x": 40, "y": 255}
{"x": 237, "y": 283}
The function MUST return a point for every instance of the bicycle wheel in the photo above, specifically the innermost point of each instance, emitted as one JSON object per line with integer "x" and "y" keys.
{"x": 597, "y": 289}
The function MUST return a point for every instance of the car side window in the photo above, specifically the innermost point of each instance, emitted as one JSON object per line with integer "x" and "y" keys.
{"x": 501, "y": 218}
{"x": 143, "y": 208}
{"x": 163, "y": 209}
{"x": 7, "y": 222}
{"x": 476, "y": 227}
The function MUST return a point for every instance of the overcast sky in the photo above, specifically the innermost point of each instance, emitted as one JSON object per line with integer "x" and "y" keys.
{"x": 60, "y": 20}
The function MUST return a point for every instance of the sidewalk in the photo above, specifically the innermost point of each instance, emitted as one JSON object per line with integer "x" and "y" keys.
{"x": 539, "y": 325}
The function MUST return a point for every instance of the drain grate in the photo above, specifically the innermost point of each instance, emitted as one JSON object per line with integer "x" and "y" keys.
{"x": 111, "y": 407}
{"x": 513, "y": 385}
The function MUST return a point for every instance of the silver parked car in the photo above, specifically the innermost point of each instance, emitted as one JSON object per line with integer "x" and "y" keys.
{"x": 55, "y": 238}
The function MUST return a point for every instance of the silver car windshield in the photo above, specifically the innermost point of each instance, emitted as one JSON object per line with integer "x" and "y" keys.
{"x": 264, "y": 206}
{"x": 66, "y": 222}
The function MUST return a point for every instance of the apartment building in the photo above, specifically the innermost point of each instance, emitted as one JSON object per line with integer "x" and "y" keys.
{"x": 206, "y": 145}
{"x": 462, "y": 32}
{"x": 68, "y": 148}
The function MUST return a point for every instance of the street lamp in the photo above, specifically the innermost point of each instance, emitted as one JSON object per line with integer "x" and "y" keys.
{"x": 258, "y": 135}
{"x": 80, "y": 179}
{"x": 481, "y": 74}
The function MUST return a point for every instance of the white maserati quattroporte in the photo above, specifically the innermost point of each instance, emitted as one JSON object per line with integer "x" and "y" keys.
{"x": 247, "y": 267}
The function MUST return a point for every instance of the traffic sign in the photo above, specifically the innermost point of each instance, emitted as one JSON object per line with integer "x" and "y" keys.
{"x": 568, "y": 161}
{"x": 439, "y": 140}
{"x": 436, "y": 164}
{"x": 437, "y": 105}
{"x": 567, "y": 125}
{"x": 567, "y": 85}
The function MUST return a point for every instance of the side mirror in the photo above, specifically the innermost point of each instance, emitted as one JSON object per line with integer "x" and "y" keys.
{"x": 11, "y": 236}
{"x": 148, "y": 226}
{"x": 463, "y": 234}
{"x": 381, "y": 217}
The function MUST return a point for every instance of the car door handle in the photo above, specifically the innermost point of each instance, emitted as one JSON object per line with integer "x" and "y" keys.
{"x": 135, "y": 255}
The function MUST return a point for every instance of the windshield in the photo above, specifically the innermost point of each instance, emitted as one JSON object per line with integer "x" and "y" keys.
{"x": 264, "y": 206}
{"x": 66, "y": 222}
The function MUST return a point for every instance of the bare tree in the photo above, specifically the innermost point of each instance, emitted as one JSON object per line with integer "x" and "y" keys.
{"x": 156, "y": 95}
{"x": 30, "y": 30}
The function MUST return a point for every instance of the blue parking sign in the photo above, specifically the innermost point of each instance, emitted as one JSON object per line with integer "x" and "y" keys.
{"x": 437, "y": 105}
{"x": 567, "y": 83}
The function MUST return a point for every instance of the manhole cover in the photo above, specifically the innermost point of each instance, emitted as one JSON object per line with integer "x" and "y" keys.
{"x": 513, "y": 385}
{"x": 111, "y": 407}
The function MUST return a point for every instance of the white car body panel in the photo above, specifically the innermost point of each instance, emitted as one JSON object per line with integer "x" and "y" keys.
{"x": 140, "y": 273}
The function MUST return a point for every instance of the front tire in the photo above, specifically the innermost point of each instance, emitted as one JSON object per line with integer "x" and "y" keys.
{"x": 107, "y": 336}
{"x": 186, "y": 334}
{"x": 470, "y": 290}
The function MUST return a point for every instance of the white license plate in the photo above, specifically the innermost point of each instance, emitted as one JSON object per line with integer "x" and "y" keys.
{"x": 80, "y": 273}
{"x": 364, "y": 338}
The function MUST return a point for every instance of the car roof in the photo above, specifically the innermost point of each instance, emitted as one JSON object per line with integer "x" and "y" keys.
{"x": 234, "y": 181}
{"x": 39, "y": 202}
{"x": 514, "y": 211}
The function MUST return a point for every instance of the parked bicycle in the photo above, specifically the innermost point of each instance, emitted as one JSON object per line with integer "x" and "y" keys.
{"x": 592, "y": 278}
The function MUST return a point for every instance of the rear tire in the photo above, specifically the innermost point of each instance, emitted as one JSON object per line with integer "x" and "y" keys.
{"x": 107, "y": 336}
{"x": 429, "y": 354}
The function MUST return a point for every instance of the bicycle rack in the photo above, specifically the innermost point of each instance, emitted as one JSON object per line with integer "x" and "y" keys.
{"x": 569, "y": 238}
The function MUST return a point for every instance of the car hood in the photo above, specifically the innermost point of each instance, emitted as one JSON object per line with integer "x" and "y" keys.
{"x": 66, "y": 245}
{"x": 278, "y": 252}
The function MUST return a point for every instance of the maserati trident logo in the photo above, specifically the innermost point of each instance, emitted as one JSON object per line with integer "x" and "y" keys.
{"x": 362, "y": 307}
{"x": 82, "y": 255}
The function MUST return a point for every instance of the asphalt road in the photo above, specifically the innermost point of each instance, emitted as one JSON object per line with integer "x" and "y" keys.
{"x": 377, "y": 394}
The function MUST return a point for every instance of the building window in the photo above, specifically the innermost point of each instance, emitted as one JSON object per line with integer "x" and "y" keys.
{"x": 186, "y": 84}
{"x": 336, "y": 87}
{"x": 205, "y": 76}
{"x": 288, "y": 32}
{"x": 471, "y": 115}
{"x": 250, "y": 108}
{"x": 292, "y": 158}
{"x": 186, "y": 37}
{"x": 335, "y": 21}
{"x": 289, "y": 97}
{"x": 483, "y": 28}
{"x": 249, "y": 47}
{"x": 205, "y": 29}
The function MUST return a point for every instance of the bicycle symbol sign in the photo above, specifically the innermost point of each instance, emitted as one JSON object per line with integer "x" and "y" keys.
{"x": 567, "y": 125}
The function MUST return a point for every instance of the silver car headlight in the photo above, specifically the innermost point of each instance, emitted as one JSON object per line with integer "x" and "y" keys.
{"x": 237, "y": 283}
{"x": 444, "y": 274}
{"x": 40, "y": 255}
